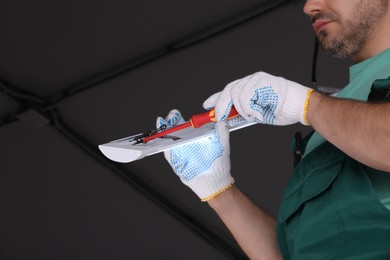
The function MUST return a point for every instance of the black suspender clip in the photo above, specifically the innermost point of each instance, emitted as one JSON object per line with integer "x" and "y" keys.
{"x": 380, "y": 91}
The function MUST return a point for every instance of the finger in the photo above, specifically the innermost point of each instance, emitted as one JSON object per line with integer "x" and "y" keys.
{"x": 241, "y": 96}
{"x": 174, "y": 118}
{"x": 236, "y": 121}
{"x": 160, "y": 122}
{"x": 224, "y": 103}
{"x": 255, "y": 104}
{"x": 167, "y": 156}
{"x": 221, "y": 129}
{"x": 210, "y": 102}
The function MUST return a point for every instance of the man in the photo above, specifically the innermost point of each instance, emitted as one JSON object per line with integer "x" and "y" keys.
{"x": 337, "y": 204}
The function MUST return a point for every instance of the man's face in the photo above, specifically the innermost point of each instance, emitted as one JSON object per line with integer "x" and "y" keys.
{"x": 343, "y": 26}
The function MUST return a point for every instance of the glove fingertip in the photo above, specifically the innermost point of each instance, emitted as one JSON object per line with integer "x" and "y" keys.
{"x": 207, "y": 105}
{"x": 211, "y": 101}
{"x": 174, "y": 113}
{"x": 160, "y": 121}
{"x": 174, "y": 118}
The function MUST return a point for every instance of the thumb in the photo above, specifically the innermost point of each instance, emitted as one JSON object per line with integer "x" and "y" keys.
{"x": 221, "y": 129}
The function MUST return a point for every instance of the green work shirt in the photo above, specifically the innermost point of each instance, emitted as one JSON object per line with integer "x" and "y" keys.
{"x": 333, "y": 206}
{"x": 362, "y": 75}
{"x": 330, "y": 211}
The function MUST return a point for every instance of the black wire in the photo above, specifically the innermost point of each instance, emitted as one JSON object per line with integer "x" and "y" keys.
{"x": 314, "y": 64}
{"x": 19, "y": 94}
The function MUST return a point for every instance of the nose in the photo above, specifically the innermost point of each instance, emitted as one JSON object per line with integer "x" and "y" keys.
{"x": 312, "y": 7}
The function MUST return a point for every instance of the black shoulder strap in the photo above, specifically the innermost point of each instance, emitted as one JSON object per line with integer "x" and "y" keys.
{"x": 380, "y": 91}
{"x": 299, "y": 145}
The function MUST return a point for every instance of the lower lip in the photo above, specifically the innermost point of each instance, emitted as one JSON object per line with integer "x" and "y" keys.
{"x": 321, "y": 27}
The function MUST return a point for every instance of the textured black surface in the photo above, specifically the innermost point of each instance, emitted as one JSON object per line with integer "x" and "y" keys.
{"x": 102, "y": 70}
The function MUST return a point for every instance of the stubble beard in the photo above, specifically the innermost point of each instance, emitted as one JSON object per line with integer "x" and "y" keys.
{"x": 354, "y": 32}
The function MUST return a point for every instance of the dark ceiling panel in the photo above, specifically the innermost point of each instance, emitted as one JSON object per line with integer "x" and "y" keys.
{"x": 129, "y": 104}
{"x": 48, "y": 46}
{"x": 8, "y": 106}
{"x": 58, "y": 203}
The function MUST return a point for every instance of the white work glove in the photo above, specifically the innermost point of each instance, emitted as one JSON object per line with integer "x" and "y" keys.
{"x": 203, "y": 165}
{"x": 263, "y": 98}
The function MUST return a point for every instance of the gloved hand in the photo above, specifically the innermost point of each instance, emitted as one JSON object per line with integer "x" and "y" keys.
{"x": 203, "y": 165}
{"x": 263, "y": 98}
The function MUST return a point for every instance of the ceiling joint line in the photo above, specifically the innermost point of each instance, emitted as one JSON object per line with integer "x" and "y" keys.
{"x": 26, "y": 101}
{"x": 146, "y": 190}
{"x": 19, "y": 94}
{"x": 179, "y": 45}
{"x": 138, "y": 184}
{"x": 51, "y": 103}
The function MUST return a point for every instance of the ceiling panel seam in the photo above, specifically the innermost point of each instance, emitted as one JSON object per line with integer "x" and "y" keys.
{"x": 25, "y": 99}
{"x": 188, "y": 41}
{"x": 147, "y": 191}
{"x": 179, "y": 45}
{"x": 52, "y": 102}
{"x": 30, "y": 115}
{"x": 47, "y": 108}
{"x": 138, "y": 184}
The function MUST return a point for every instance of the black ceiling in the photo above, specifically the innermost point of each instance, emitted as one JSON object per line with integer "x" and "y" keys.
{"x": 77, "y": 74}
